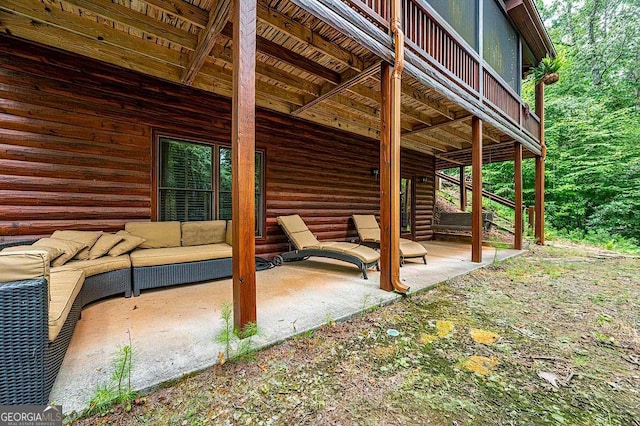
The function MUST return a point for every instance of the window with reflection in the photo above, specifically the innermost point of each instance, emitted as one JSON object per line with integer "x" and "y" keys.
{"x": 188, "y": 189}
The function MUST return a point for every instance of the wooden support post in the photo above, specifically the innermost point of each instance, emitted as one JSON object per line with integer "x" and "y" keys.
{"x": 539, "y": 185}
{"x": 463, "y": 190}
{"x": 517, "y": 175}
{"x": 476, "y": 175}
{"x": 531, "y": 217}
{"x": 243, "y": 162}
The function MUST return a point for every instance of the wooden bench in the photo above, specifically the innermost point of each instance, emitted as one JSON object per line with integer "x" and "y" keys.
{"x": 461, "y": 221}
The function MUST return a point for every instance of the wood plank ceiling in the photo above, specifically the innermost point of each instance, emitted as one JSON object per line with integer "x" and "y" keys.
{"x": 305, "y": 68}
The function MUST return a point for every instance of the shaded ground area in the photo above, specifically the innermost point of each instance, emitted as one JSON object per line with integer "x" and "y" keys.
{"x": 551, "y": 337}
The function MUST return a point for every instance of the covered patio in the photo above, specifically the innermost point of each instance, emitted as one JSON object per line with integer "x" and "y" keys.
{"x": 173, "y": 330}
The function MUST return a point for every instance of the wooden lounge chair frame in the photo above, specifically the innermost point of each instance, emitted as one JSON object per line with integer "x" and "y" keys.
{"x": 374, "y": 240}
{"x": 296, "y": 254}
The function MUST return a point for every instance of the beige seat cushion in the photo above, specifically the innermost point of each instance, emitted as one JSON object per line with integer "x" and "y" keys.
{"x": 156, "y": 234}
{"x": 88, "y": 238}
{"x": 204, "y": 232}
{"x": 64, "y": 287}
{"x": 410, "y": 248}
{"x": 69, "y": 248}
{"x": 128, "y": 243}
{"x": 52, "y": 252}
{"x": 93, "y": 267}
{"x": 23, "y": 265}
{"x": 367, "y": 227}
{"x": 105, "y": 243}
{"x": 365, "y": 254}
{"x": 170, "y": 255}
{"x": 228, "y": 238}
{"x": 297, "y": 231}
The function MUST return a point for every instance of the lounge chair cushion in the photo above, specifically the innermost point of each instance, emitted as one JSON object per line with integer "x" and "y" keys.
{"x": 410, "y": 248}
{"x": 170, "y": 255}
{"x": 23, "y": 265}
{"x": 128, "y": 243}
{"x": 69, "y": 248}
{"x": 52, "y": 252}
{"x": 105, "y": 243}
{"x": 367, "y": 226}
{"x": 156, "y": 234}
{"x": 93, "y": 267}
{"x": 298, "y": 232}
{"x": 88, "y": 238}
{"x": 64, "y": 287}
{"x": 205, "y": 232}
{"x": 365, "y": 254}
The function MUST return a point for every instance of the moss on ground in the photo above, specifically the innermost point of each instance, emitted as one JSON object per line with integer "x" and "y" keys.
{"x": 551, "y": 337}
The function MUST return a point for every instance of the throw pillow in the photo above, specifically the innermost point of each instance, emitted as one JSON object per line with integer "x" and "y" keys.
{"x": 128, "y": 243}
{"x": 105, "y": 243}
{"x": 52, "y": 252}
{"x": 69, "y": 248}
{"x": 88, "y": 238}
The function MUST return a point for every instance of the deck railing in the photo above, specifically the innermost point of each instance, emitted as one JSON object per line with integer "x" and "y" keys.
{"x": 435, "y": 42}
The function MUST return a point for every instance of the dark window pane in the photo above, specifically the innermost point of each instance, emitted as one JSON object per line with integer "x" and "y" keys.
{"x": 184, "y": 206}
{"x": 224, "y": 205}
{"x": 185, "y": 165}
{"x": 225, "y": 169}
{"x": 500, "y": 44}
{"x": 462, "y": 15}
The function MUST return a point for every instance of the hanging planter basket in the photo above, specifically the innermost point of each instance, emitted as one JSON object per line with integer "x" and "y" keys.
{"x": 551, "y": 78}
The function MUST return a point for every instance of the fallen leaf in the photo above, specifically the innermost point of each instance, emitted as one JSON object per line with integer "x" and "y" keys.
{"x": 221, "y": 359}
{"x": 427, "y": 338}
{"x": 549, "y": 377}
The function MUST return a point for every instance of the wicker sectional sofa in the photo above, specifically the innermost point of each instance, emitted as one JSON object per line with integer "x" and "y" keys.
{"x": 40, "y": 304}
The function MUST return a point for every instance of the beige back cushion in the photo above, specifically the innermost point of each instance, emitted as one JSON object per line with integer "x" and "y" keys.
{"x": 297, "y": 231}
{"x": 88, "y": 238}
{"x": 156, "y": 234}
{"x": 69, "y": 248}
{"x": 23, "y": 265}
{"x": 204, "y": 232}
{"x": 229, "y": 235}
{"x": 52, "y": 252}
{"x": 128, "y": 243}
{"x": 367, "y": 227}
{"x": 105, "y": 243}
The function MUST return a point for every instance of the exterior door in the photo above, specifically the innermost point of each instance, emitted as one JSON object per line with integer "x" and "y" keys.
{"x": 407, "y": 206}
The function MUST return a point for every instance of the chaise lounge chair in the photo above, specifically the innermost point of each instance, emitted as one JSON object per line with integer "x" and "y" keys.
{"x": 306, "y": 244}
{"x": 369, "y": 233}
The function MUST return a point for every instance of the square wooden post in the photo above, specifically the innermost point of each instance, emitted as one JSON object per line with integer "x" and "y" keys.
{"x": 539, "y": 180}
{"x": 389, "y": 180}
{"x": 517, "y": 175}
{"x": 243, "y": 150}
{"x": 476, "y": 175}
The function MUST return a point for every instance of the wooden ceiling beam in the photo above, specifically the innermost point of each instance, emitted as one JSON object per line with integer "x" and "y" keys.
{"x": 218, "y": 18}
{"x": 347, "y": 81}
{"x": 49, "y": 35}
{"x": 433, "y": 126}
{"x": 186, "y": 11}
{"x": 67, "y": 21}
{"x": 427, "y": 101}
{"x": 285, "y": 55}
{"x": 223, "y": 54}
{"x": 305, "y": 35}
{"x": 138, "y": 20}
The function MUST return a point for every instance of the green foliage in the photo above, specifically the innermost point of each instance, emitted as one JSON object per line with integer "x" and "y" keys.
{"x": 546, "y": 67}
{"x": 238, "y": 344}
{"x": 118, "y": 390}
{"x": 592, "y": 124}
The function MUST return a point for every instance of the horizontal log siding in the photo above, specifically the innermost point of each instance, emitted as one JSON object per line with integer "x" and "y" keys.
{"x": 76, "y": 141}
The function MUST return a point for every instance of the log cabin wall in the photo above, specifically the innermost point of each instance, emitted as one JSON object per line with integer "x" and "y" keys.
{"x": 76, "y": 139}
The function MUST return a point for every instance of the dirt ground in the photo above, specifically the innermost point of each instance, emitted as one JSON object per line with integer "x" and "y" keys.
{"x": 551, "y": 337}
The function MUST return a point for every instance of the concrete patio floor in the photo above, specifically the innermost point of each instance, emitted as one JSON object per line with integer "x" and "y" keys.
{"x": 173, "y": 329}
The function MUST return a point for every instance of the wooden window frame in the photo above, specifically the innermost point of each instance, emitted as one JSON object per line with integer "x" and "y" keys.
{"x": 155, "y": 175}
